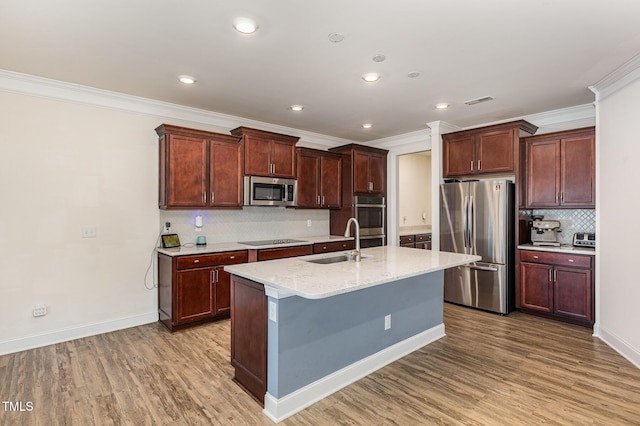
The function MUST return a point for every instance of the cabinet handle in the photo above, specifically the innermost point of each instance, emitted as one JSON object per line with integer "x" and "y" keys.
{"x": 196, "y": 261}
{"x": 535, "y": 257}
{"x": 555, "y": 276}
{"x": 273, "y": 168}
{"x": 556, "y": 197}
{"x": 232, "y": 257}
{"x": 216, "y": 276}
{"x": 213, "y": 197}
{"x": 550, "y": 275}
{"x": 370, "y": 186}
{"x": 471, "y": 165}
{"x": 323, "y": 200}
{"x": 562, "y": 197}
{"x": 318, "y": 202}
{"x": 571, "y": 260}
{"x": 204, "y": 197}
{"x": 479, "y": 165}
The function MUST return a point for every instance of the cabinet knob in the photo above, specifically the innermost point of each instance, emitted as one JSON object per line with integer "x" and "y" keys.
{"x": 535, "y": 257}
{"x": 571, "y": 260}
{"x": 196, "y": 261}
{"x": 232, "y": 257}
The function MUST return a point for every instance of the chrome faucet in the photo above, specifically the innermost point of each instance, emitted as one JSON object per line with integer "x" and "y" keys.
{"x": 354, "y": 254}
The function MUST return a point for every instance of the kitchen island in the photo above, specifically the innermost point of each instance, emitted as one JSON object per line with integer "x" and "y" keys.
{"x": 301, "y": 330}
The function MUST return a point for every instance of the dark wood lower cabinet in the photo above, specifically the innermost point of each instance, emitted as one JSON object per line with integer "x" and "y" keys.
{"x": 195, "y": 289}
{"x": 249, "y": 336}
{"x": 333, "y": 246}
{"x": 421, "y": 241}
{"x": 558, "y": 285}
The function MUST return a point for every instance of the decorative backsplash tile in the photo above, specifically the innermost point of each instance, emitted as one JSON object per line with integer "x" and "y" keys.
{"x": 248, "y": 224}
{"x": 571, "y": 220}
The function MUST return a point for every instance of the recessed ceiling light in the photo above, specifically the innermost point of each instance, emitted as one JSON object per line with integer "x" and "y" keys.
{"x": 371, "y": 77}
{"x": 413, "y": 74}
{"x": 296, "y": 107}
{"x": 367, "y": 125}
{"x": 442, "y": 106}
{"x": 379, "y": 58}
{"x": 186, "y": 79}
{"x": 335, "y": 37}
{"x": 479, "y": 100}
{"x": 245, "y": 25}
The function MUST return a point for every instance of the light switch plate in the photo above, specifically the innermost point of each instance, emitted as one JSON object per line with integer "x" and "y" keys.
{"x": 88, "y": 232}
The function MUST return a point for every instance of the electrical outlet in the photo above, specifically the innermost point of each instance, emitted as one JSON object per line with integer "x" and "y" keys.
{"x": 167, "y": 227}
{"x": 273, "y": 312}
{"x": 308, "y": 223}
{"x": 387, "y": 322}
{"x": 88, "y": 232}
{"x": 39, "y": 310}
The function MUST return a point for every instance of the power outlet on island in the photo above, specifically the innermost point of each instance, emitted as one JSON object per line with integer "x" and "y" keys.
{"x": 308, "y": 223}
{"x": 387, "y": 322}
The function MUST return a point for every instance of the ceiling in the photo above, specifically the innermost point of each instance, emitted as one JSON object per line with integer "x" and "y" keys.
{"x": 529, "y": 55}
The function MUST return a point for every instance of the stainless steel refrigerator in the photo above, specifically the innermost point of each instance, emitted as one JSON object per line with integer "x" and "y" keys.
{"x": 476, "y": 217}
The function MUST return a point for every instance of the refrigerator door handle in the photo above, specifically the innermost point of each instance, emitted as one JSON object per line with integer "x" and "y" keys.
{"x": 483, "y": 268}
{"x": 465, "y": 222}
{"x": 470, "y": 231}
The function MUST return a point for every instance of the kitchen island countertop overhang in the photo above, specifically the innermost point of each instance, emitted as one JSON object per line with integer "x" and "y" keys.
{"x": 379, "y": 265}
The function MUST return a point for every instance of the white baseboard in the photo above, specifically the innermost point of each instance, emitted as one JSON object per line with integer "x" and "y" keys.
{"x": 619, "y": 345}
{"x": 278, "y": 409}
{"x": 64, "y": 335}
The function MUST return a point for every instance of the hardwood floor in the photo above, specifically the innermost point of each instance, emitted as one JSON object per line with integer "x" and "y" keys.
{"x": 488, "y": 370}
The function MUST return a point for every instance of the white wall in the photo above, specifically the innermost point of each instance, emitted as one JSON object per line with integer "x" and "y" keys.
{"x": 74, "y": 156}
{"x": 414, "y": 189}
{"x": 618, "y": 207}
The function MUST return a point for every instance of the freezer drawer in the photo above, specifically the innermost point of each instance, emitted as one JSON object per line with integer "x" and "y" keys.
{"x": 479, "y": 285}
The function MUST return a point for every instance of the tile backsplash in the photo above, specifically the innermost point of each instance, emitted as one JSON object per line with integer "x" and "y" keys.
{"x": 248, "y": 224}
{"x": 571, "y": 221}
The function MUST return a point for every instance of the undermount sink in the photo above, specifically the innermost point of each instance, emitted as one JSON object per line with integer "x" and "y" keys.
{"x": 333, "y": 259}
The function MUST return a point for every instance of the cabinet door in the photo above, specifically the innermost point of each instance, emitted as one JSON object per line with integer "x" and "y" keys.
{"x": 194, "y": 294}
{"x": 536, "y": 286}
{"x": 225, "y": 175}
{"x": 543, "y": 173}
{"x": 377, "y": 173}
{"x": 257, "y": 156}
{"x": 330, "y": 182}
{"x": 283, "y": 159}
{"x": 361, "y": 180}
{"x": 187, "y": 183}
{"x": 495, "y": 151}
{"x": 572, "y": 293}
{"x": 578, "y": 171}
{"x": 308, "y": 187}
{"x": 222, "y": 290}
{"x": 458, "y": 156}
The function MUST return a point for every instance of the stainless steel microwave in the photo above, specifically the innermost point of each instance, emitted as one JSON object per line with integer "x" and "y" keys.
{"x": 266, "y": 191}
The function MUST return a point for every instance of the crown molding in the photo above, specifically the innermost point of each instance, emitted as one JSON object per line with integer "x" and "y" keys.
{"x": 26, "y": 84}
{"x": 616, "y": 80}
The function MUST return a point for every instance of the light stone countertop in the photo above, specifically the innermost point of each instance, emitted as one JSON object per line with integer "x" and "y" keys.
{"x": 189, "y": 249}
{"x": 414, "y": 230}
{"x": 380, "y": 265}
{"x": 562, "y": 249}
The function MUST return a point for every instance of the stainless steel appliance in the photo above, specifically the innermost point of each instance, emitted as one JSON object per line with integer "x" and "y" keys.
{"x": 266, "y": 191}
{"x": 476, "y": 217}
{"x": 584, "y": 239}
{"x": 370, "y": 214}
{"x": 545, "y": 232}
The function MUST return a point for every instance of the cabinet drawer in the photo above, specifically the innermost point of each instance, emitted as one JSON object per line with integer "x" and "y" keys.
{"x": 420, "y": 238}
{"x": 407, "y": 239}
{"x": 281, "y": 253}
{"x": 579, "y": 261}
{"x": 212, "y": 259}
{"x": 333, "y": 246}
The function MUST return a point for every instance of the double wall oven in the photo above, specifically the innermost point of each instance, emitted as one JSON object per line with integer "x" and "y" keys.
{"x": 370, "y": 211}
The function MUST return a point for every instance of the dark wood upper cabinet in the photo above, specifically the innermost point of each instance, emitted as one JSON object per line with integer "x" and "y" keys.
{"x": 368, "y": 168}
{"x": 319, "y": 178}
{"x": 268, "y": 154}
{"x": 561, "y": 169}
{"x": 487, "y": 150}
{"x": 199, "y": 169}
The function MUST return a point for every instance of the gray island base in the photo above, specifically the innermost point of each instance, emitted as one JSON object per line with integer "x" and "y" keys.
{"x": 301, "y": 330}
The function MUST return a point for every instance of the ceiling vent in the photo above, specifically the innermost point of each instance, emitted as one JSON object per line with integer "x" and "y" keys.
{"x": 479, "y": 100}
